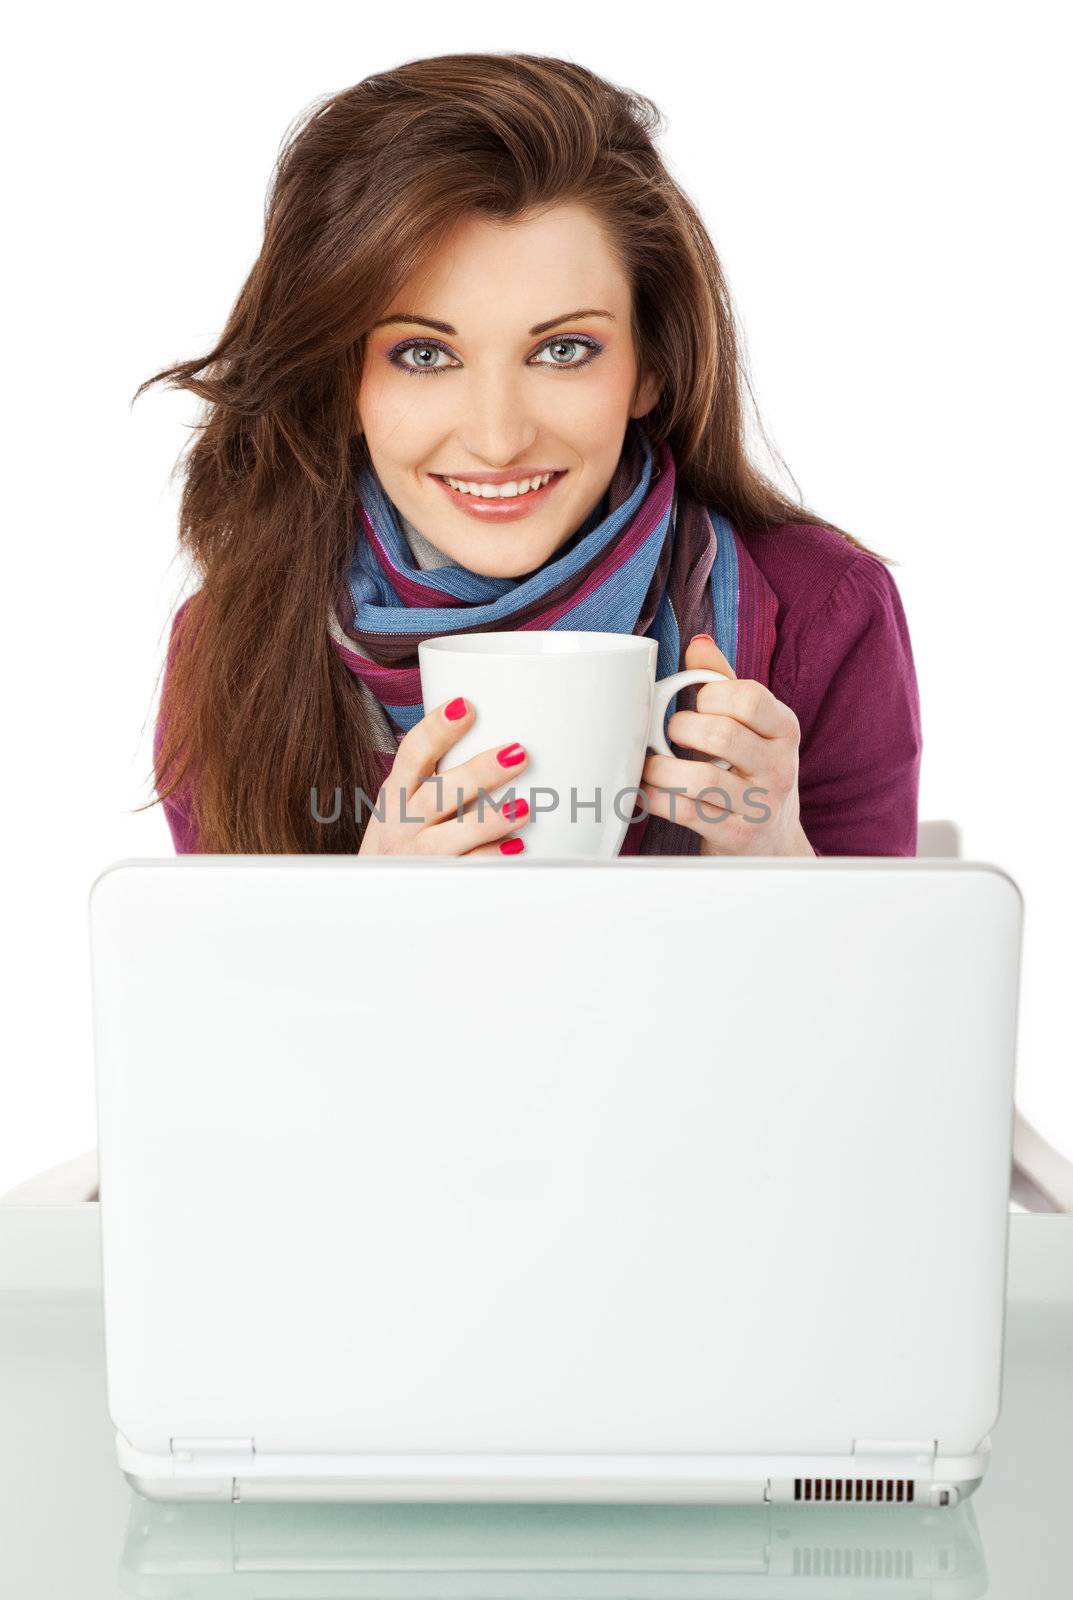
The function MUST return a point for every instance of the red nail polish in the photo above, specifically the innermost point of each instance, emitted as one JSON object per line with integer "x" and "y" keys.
{"x": 512, "y": 847}
{"x": 510, "y": 755}
{"x": 515, "y": 809}
{"x": 455, "y": 710}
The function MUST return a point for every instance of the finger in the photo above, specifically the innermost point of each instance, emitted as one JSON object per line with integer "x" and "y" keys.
{"x": 751, "y": 704}
{"x": 421, "y": 747}
{"x": 502, "y": 850}
{"x": 700, "y": 814}
{"x": 482, "y": 824}
{"x": 447, "y": 793}
{"x": 715, "y": 735}
{"x": 702, "y": 651}
{"x": 693, "y": 778}
{"x": 428, "y": 743}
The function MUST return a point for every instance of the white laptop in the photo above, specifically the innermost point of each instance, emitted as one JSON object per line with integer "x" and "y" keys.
{"x": 655, "y": 1179}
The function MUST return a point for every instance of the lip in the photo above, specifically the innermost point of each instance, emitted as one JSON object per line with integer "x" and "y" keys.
{"x": 500, "y": 510}
{"x": 501, "y": 474}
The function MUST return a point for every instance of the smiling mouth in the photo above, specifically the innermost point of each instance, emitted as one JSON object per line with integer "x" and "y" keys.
{"x": 512, "y": 491}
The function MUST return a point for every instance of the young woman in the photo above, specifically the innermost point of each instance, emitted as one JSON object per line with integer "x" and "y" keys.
{"x": 483, "y": 375}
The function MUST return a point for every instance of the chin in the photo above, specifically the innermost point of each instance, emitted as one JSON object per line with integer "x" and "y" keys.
{"x": 510, "y": 565}
{"x": 506, "y": 550}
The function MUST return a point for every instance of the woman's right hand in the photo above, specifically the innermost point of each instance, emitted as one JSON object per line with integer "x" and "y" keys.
{"x": 413, "y": 824}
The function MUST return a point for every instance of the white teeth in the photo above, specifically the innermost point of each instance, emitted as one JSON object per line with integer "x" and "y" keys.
{"x": 499, "y": 491}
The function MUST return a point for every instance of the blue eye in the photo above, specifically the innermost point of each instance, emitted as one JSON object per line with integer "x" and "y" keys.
{"x": 432, "y": 346}
{"x": 573, "y": 342}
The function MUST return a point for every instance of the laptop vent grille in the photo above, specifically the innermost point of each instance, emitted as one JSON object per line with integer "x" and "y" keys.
{"x": 868, "y": 1489}
{"x": 832, "y": 1562}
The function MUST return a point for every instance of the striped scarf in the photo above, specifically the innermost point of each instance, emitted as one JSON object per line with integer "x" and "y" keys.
{"x": 648, "y": 560}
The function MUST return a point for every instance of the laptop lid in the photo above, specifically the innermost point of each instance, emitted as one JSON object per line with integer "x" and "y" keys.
{"x": 416, "y": 1158}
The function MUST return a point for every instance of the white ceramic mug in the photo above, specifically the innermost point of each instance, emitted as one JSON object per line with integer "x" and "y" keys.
{"x": 586, "y": 707}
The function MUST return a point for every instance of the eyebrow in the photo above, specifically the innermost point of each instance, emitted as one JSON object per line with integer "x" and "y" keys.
{"x": 445, "y": 327}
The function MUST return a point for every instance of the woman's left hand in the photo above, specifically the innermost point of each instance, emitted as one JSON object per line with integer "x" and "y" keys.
{"x": 752, "y": 808}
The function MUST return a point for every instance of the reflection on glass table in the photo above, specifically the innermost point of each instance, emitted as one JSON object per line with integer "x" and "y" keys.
{"x": 447, "y": 1552}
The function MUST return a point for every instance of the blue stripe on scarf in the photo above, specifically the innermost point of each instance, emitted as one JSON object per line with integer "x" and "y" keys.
{"x": 724, "y": 585}
{"x": 612, "y": 608}
{"x": 723, "y": 582}
{"x": 724, "y": 588}
{"x": 378, "y": 609}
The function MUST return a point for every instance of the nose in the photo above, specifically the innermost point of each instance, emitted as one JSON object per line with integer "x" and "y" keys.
{"x": 495, "y": 424}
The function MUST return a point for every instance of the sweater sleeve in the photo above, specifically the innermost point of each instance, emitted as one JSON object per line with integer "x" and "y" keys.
{"x": 177, "y": 806}
{"x": 857, "y": 702}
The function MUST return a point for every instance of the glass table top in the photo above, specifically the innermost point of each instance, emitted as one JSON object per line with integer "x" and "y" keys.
{"x": 71, "y": 1525}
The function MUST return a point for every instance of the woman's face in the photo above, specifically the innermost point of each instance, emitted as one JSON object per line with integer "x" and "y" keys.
{"x": 508, "y": 356}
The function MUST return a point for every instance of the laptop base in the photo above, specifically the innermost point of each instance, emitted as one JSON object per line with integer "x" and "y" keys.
{"x": 847, "y": 1480}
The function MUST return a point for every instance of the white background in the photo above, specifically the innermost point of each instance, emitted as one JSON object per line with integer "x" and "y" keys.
{"x": 885, "y": 186}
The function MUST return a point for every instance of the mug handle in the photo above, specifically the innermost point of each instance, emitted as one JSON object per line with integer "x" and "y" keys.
{"x": 665, "y": 690}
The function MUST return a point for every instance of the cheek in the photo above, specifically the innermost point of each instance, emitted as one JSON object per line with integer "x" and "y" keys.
{"x": 365, "y": 407}
{"x": 390, "y": 415}
{"x": 597, "y": 401}
{"x": 374, "y": 399}
{"x": 587, "y": 430}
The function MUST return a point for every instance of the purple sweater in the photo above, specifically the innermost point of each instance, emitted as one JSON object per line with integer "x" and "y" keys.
{"x": 843, "y": 663}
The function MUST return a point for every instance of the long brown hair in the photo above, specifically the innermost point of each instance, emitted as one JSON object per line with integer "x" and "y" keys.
{"x": 258, "y": 708}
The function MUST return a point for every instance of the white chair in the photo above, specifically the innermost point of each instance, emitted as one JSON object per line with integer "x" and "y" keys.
{"x": 73, "y": 1182}
{"x": 1041, "y": 1178}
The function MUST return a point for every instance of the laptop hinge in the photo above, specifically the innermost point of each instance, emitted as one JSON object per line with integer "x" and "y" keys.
{"x": 221, "y": 1455}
